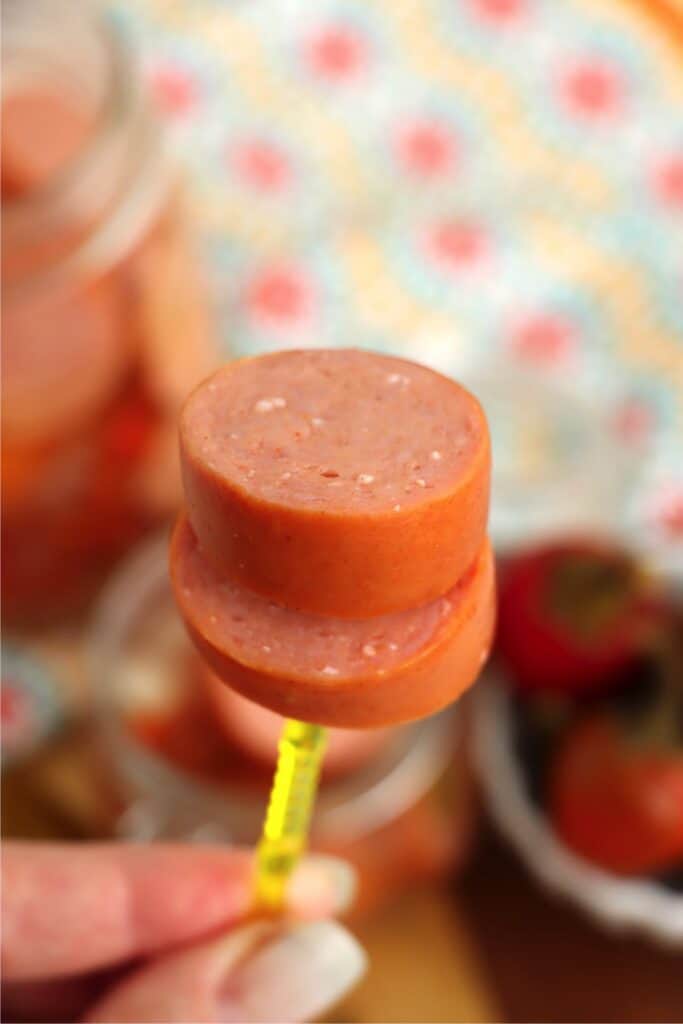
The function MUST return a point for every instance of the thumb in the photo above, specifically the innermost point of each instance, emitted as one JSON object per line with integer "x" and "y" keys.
{"x": 265, "y": 971}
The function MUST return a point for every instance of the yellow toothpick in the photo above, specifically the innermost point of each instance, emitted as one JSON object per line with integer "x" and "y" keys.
{"x": 285, "y": 830}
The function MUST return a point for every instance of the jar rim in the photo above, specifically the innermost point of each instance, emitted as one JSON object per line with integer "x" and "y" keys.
{"x": 95, "y": 206}
{"x": 120, "y": 96}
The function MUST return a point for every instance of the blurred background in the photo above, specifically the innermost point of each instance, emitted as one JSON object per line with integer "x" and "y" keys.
{"x": 494, "y": 188}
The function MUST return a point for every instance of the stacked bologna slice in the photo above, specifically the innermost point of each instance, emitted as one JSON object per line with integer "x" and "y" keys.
{"x": 332, "y": 563}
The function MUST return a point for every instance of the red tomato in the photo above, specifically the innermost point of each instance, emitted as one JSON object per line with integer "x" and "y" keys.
{"x": 616, "y": 799}
{"x": 573, "y": 615}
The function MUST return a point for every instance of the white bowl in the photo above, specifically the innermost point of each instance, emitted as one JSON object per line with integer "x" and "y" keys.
{"x": 619, "y": 904}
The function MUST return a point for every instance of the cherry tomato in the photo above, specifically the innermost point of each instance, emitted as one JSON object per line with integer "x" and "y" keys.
{"x": 574, "y": 615}
{"x": 616, "y": 798}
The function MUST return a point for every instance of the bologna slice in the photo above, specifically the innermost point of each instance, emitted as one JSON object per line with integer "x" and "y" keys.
{"x": 359, "y": 673}
{"x": 338, "y": 482}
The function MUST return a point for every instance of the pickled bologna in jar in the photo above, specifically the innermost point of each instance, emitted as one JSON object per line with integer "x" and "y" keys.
{"x": 398, "y": 830}
{"x": 104, "y": 323}
{"x": 393, "y": 843}
{"x": 210, "y": 731}
{"x": 169, "y": 765}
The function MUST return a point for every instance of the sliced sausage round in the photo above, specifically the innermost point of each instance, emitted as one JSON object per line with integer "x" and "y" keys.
{"x": 339, "y": 482}
{"x": 351, "y": 673}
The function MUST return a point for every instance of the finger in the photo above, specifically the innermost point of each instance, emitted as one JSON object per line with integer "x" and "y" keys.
{"x": 321, "y": 886}
{"x": 73, "y": 908}
{"x": 70, "y": 908}
{"x": 261, "y": 972}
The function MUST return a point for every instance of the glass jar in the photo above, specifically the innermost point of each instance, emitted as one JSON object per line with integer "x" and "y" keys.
{"x": 104, "y": 324}
{"x": 402, "y": 815}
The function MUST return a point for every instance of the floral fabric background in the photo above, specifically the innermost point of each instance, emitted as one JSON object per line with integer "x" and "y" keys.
{"x": 494, "y": 187}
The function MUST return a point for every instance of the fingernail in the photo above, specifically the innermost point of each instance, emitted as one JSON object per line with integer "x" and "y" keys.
{"x": 294, "y": 976}
{"x": 321, "y": 886}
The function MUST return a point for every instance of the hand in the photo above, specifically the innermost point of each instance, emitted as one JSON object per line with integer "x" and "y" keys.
{"x": 110, "y": 932}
